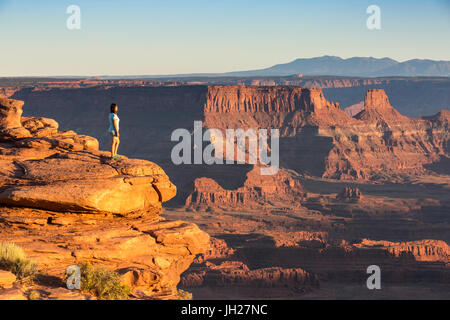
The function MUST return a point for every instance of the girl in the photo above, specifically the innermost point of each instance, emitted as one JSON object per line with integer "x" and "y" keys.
{"x": 114, "y": 130}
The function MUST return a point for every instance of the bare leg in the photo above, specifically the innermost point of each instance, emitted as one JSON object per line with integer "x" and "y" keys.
{"x": 113, "y": 147}
{"x": 116, "y": 146}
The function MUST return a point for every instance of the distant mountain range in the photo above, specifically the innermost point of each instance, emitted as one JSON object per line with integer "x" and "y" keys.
{"x": 357, "y": 66}
{"x": 336, "y": 66}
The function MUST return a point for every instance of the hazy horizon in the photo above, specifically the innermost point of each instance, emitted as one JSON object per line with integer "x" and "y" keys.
{"x": 132, "y": 38}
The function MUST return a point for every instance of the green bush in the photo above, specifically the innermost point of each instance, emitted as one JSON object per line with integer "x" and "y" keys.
{"x": 14, "y": 259}
{"x": 103, "y": 283}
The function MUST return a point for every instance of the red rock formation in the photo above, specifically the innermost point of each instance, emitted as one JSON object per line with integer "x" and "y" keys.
{"x": 7, "y": 92}
{"x": 10, "y": 113}
{"x": 267, "y": 107}
{"x": 236, "y": 273}
{"x": 384, "y": 143}
{"x": 40, "y": 127}
{"x": 79, "y": 200}
{"x": 378, "y": 109}
{"x": 153, "y": 250}
{"x": 299, "y": 238}
{"x": 378, "y": 141}
{"x": 259, "y": 191}
{"x": 218, "y": 249}
{"x": 349, "y": 194}
{"x": 423, "y": 250}
{"x": 83, "y": 181}
{"x": 442, "y": 118}
{"x": 377, "y": 144}
{"x": 10, "y": 120}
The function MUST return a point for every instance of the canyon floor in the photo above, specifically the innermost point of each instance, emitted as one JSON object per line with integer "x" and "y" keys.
{"x": 332, "y": 244}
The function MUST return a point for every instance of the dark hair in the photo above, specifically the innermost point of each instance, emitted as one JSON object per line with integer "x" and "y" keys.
{"x": 113, "y": 108}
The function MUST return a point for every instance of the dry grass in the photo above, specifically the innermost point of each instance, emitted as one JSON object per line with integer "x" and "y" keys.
{"x": 14, "y": 259}
{"x": 105, "y": 284}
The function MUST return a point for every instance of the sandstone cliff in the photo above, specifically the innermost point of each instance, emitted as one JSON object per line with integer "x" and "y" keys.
{"x": 319, "y": 139}
{"x": 66, "y": 202}
{"x": 423, "y": 250}
{"x": 377, "y": 142}
{"x": 286, "y": 108}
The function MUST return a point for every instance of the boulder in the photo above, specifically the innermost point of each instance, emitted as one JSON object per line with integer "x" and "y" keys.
{"x": 135, "y": 277}
{"x": 90, "y": 185}
{"x": 10, "y": 113}
{"x": 40, "y": 127}
{"x": 7, "y": 279}
{"x": 10, "y": 120}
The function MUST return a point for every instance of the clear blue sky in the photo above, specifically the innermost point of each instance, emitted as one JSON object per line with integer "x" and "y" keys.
{"x": 136, "y": 37}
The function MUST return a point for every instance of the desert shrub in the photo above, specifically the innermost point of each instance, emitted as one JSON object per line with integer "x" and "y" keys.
{"x": 14, "y": 259}
{"x": 105, "y": 284}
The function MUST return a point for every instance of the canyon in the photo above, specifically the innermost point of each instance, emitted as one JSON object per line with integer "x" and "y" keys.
{"x": 352, "y": 190}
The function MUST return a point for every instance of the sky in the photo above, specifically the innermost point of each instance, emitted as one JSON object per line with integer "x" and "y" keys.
{"x": 149, "y": 37}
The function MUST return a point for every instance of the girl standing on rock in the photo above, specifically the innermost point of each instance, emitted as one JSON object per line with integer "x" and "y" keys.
{"x": 114, "y": 130}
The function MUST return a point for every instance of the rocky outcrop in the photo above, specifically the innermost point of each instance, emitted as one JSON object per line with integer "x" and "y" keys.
{"x": 6, "y": 92}
{"x": 84, "y": 182}
{"x": 286, "y": 108}
{"x": 384, "y": 143}
{"x": 441, "y": 119}
{"x": 63, "y": 171}
{"x": 423, "y": 250}
{"x": 236, "y": 273}
{"x": 150, "y": 253}
{"x": 377, "y": 142}
{"x": 349, "y": 194}
{"x": 78, "y": 205}
{"x": 377, "y": 109}
{"x": 41, "y": 127}
{"x": 301, "y": 238}
{"x": 10, "y": 120}
{"x": 218, "y": 249}
{"x": 10, "y": 113}
{"x": 318, "y": 138}
{"x": 258, "y": 192}
{"x": 228, "y": 99}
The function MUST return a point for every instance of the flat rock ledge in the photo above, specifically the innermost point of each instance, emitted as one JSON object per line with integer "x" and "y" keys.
{"x": 62, "y": 171}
